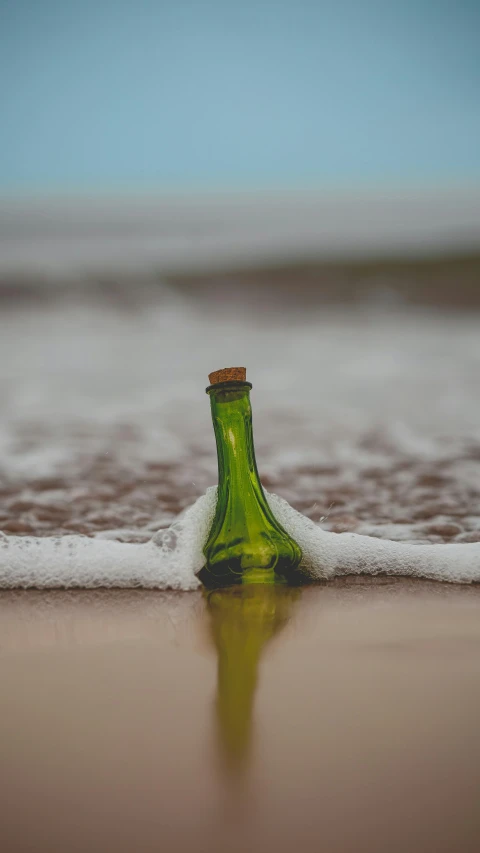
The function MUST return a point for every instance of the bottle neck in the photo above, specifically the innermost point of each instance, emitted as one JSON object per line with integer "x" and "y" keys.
{"x": 232, "y": 422}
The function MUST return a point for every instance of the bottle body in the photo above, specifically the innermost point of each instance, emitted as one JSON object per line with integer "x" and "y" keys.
{"x": 246, "y": 543}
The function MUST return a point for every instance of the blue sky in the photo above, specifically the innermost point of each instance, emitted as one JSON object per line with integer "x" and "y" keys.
{"x": 132, "y": 94}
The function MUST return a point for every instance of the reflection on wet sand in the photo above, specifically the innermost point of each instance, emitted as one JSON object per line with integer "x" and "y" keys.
{"x": 359, "y": 734}
{"x": 243, "y": 620}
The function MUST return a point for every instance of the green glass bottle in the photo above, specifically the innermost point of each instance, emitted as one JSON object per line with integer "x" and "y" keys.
{"x": 246, "y": 543}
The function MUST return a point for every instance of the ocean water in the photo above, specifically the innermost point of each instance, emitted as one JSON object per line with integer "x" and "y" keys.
{"x": 366, "y": 421}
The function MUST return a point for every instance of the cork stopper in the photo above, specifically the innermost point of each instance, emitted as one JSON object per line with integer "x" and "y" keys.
{"x": 228, "y": 374}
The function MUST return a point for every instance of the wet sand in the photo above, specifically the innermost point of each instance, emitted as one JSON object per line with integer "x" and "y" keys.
{"x": 341, "y": 717}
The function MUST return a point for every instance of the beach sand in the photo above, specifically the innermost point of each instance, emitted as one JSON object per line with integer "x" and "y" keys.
{"x": 340, "y": 717}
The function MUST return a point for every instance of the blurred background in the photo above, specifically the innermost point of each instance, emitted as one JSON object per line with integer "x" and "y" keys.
{"x": 294, "y": 187}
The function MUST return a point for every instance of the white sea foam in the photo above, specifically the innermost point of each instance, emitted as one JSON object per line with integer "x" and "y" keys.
{"x": 327, "y": 555}
{"x": 173, "y": 557}
{"x": 170, "y": 560}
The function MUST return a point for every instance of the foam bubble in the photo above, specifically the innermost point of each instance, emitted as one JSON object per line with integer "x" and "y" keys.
{"x": 173, "y": 557}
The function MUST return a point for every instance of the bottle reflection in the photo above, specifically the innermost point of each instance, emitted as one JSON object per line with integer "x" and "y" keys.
{"x": 243, "y": 619}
